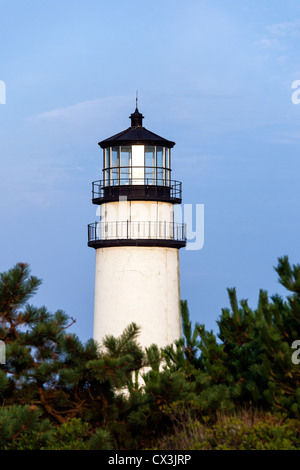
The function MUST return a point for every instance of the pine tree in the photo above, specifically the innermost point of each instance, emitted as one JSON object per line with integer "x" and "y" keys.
{"x": 251, "y": 355}
{"x": 51, "y": 371}
{"x": 279, "y": 328}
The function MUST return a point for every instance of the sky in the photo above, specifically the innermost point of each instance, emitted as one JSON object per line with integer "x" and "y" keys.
{"x": 215, "y": 76}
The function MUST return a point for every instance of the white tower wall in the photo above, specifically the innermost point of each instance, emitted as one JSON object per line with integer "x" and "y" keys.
{"x": 138, "y": 284}
{"x": 151, "y": 211}
{"x": 136, "y": 219}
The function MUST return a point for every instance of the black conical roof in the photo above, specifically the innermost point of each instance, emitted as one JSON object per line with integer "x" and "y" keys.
{"x": 136, "y": 134}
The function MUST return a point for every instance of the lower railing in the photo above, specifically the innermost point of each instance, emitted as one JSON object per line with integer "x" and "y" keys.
{"x": 119, "y": 230}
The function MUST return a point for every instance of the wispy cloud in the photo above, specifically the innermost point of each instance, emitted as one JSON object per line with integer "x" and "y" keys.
{"x": 278, "y": 37}
{"x": 279, "y": 42}
{"x": 285, "y": 28}
{"x": 271, "y": 43}
{"x": 39, "y": 184}
{"x": 86, "y": 108}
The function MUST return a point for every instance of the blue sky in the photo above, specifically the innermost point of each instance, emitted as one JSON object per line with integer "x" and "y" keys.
{"x": 214, "y": 76}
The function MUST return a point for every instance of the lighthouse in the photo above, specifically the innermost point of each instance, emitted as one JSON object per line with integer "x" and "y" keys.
{"x": 136, "y": 239}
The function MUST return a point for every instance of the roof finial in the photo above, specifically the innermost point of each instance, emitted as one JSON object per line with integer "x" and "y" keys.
{"x": 136, "y": 117}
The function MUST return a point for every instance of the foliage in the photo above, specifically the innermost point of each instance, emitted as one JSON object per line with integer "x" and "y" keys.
{"x": 22, "y": 427}
{"x": 245, "y": 430}
{"x": 58, "y": 393}
{"x": 250, "y": 360}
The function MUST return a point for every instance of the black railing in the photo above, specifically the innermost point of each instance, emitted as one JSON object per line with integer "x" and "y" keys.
{"x": 127, "y": 230}
{"x": 171, "y": 190}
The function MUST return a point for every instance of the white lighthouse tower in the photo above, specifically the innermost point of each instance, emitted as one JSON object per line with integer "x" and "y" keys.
{"x": 136, "y": 240}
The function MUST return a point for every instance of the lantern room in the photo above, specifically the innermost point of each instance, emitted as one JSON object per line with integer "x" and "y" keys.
{"x": 136, "y": 164}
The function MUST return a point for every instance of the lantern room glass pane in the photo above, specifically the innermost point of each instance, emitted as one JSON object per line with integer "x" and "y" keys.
{"x": 167, "y": 177}
{"x": 149, "y": 164}
{"x": 160, "y": 177}
{"x": 114, "y": 156}
{"x": 125, "y": 156}
{"x": 106, "y": 178}
{"x": 106, "y": 158}
{"x": 114, "y": 180}
{"x": 114, "y": 163}
{"x": 149, "y": 155}
{"x": 125, "y": 161}
{"x": 159, "y": 156}
{"x": 167, "y": 151}
{"x": 160, "y": 165}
